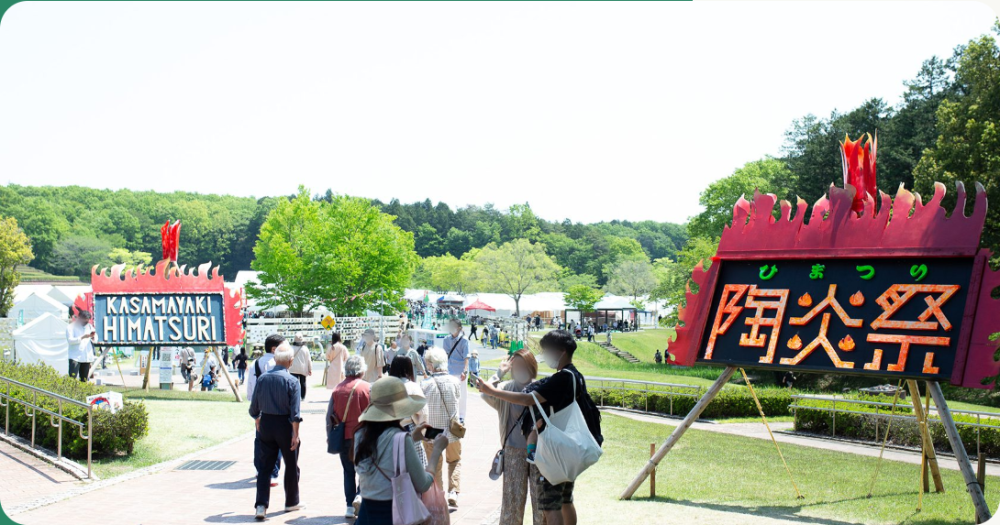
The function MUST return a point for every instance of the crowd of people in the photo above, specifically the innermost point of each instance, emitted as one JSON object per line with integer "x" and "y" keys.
{"x": 397, "y": 410}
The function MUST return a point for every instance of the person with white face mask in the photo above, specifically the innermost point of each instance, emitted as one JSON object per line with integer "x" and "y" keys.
{"x": 457, "y": 348}
{"x": 515, "y": 374}
{"x": 374, "y": 356}
{"x": 406, "y": 350}
{"x": 554, "y": 393}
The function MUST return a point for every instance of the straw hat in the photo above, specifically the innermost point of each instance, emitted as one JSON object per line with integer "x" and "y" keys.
{"x": 390, "y": 401}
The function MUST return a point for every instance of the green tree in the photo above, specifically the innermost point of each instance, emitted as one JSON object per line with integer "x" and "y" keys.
{"x": 361, "y": 251}
{"x": 429, "y": 241}
{"x": 912, "y": 128}
{"x": 967, "y": 147}
{"x": 670, "y": 280}
{"x": 521, "y": 223}
{"x": 447, "y": 273}
{"x": 567, "y": 279}
{"x": 284, "y": 253}
{"x": 129, "y": 258}
{"x": 78, "y": 255}
{"x": 42, "y": 224}
{"x": 767, "y": 175}
{"x": 582, "y": 297}
{"x": 612, "y": 251}
{"x": 631, "y": 277}
{"x": 516, "y": 268}
{"x": 344, "y": 254}
{"x": 15, "y": 249}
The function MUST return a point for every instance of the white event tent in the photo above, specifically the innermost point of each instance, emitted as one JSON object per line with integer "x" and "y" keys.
{"x": 43, "y": 341}
{"x": 34, "y": 305}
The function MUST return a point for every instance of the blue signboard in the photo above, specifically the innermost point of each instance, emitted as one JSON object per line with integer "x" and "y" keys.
{"x": 180, "y": 319}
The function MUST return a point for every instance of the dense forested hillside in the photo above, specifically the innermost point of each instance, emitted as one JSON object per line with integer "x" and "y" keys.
{"x": 72, "y": 228}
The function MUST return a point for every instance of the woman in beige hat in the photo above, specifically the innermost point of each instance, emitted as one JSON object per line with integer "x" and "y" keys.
{"x": 373, "y": 455}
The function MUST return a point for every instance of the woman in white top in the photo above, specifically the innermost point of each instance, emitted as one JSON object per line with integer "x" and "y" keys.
{"x": 336, "y": 357}
{"x": 373, "y": 454}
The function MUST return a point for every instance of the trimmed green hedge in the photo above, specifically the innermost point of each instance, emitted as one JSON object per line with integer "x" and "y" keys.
{"x": 902, "y": 432}
{"x": 732, "y": 401}
{"x": 113, "y": 433}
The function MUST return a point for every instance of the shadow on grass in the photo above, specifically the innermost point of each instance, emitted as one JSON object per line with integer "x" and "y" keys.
{"x": 788, "y": 512}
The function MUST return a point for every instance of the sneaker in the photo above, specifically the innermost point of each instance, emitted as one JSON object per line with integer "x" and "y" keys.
{"x": 349, "y": 514}
{"x": 293, "y": 508}
{"x": 531, "y": 458}
{"x": 357, "y": 504}
{"x": 453, "y": 499}
{"x": 261, "y": 512}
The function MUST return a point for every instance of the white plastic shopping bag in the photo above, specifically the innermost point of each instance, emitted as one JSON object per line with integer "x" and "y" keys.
{"x": 566, "y": 447}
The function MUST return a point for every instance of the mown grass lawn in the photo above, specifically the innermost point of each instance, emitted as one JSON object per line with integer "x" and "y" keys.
{"x": 738, "y": 474}
{"x": 643, "y": 344}
{"x": 179, "y": 426}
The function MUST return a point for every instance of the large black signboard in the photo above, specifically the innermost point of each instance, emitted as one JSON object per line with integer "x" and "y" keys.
{"x": 862, "y": 316}
{"x": 159, "y": 319}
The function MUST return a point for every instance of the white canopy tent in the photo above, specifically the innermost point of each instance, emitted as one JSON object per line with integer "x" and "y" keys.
{"x": 66, "y": 294}
{"x": 22, "y": 291}
{"x": 43, "y": 341}
{"x": 35, "y": 305}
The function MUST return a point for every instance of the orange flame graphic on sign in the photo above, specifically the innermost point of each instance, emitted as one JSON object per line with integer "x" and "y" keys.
{"x": 795, "y": 343}
{"x": 846, "y": 344}
{"x": 857, "y": 299}
{"x": 806, "y": 300}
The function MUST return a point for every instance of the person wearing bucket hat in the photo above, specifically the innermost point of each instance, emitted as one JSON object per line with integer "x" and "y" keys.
{"x": 373, "y": 449}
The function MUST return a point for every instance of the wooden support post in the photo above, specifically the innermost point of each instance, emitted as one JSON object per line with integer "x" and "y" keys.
{"x": 925, "y": 469}
{"x": 971, "y": 484}
{"x": 927, "y": 445}
{"x": 225, "y": 372}
{"x": 149, "y": 366}
{"x": 675, "y": 436}
{"x": 93, "y": 367}
{"x": 981, "y": 472}
{"x": 652, "y": 475}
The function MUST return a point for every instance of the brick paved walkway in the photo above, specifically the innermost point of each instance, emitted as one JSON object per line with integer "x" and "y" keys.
{"x": 26, "y": 478}
{"x": 179, "y": 497}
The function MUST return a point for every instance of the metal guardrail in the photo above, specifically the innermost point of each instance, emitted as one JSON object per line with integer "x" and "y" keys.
{"x": 56, "y": 419}
{"x": 671, "y": 390}
{"x": 979, "y": 415}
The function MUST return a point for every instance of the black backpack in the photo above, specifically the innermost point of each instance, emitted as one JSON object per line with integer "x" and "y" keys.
{"x": 590, "y": 411}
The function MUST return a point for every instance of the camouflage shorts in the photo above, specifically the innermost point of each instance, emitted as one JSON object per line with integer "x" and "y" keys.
{"x": 553, "y": 497}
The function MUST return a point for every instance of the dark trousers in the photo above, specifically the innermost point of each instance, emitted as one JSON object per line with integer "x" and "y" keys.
{"x": 374, "y": 512}
{"x": 302, "y": 384}
{"x": 81, "y": 369}
{"x": 350, "y": 475}
{"x": 275, "y": 438}
{"x": 258, "y": 458}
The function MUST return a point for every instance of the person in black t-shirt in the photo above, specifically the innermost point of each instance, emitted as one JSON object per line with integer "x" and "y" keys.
{"x": 241, "y": 364}
{"x": 554, "y": 393}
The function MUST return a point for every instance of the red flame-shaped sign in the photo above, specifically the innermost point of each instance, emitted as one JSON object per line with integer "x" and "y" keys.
{"x": 859, "y": 169}
{"x": 171, "y": 238}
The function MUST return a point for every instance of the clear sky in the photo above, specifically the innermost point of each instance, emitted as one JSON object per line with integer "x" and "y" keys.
{"x": 591, "y": 111}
